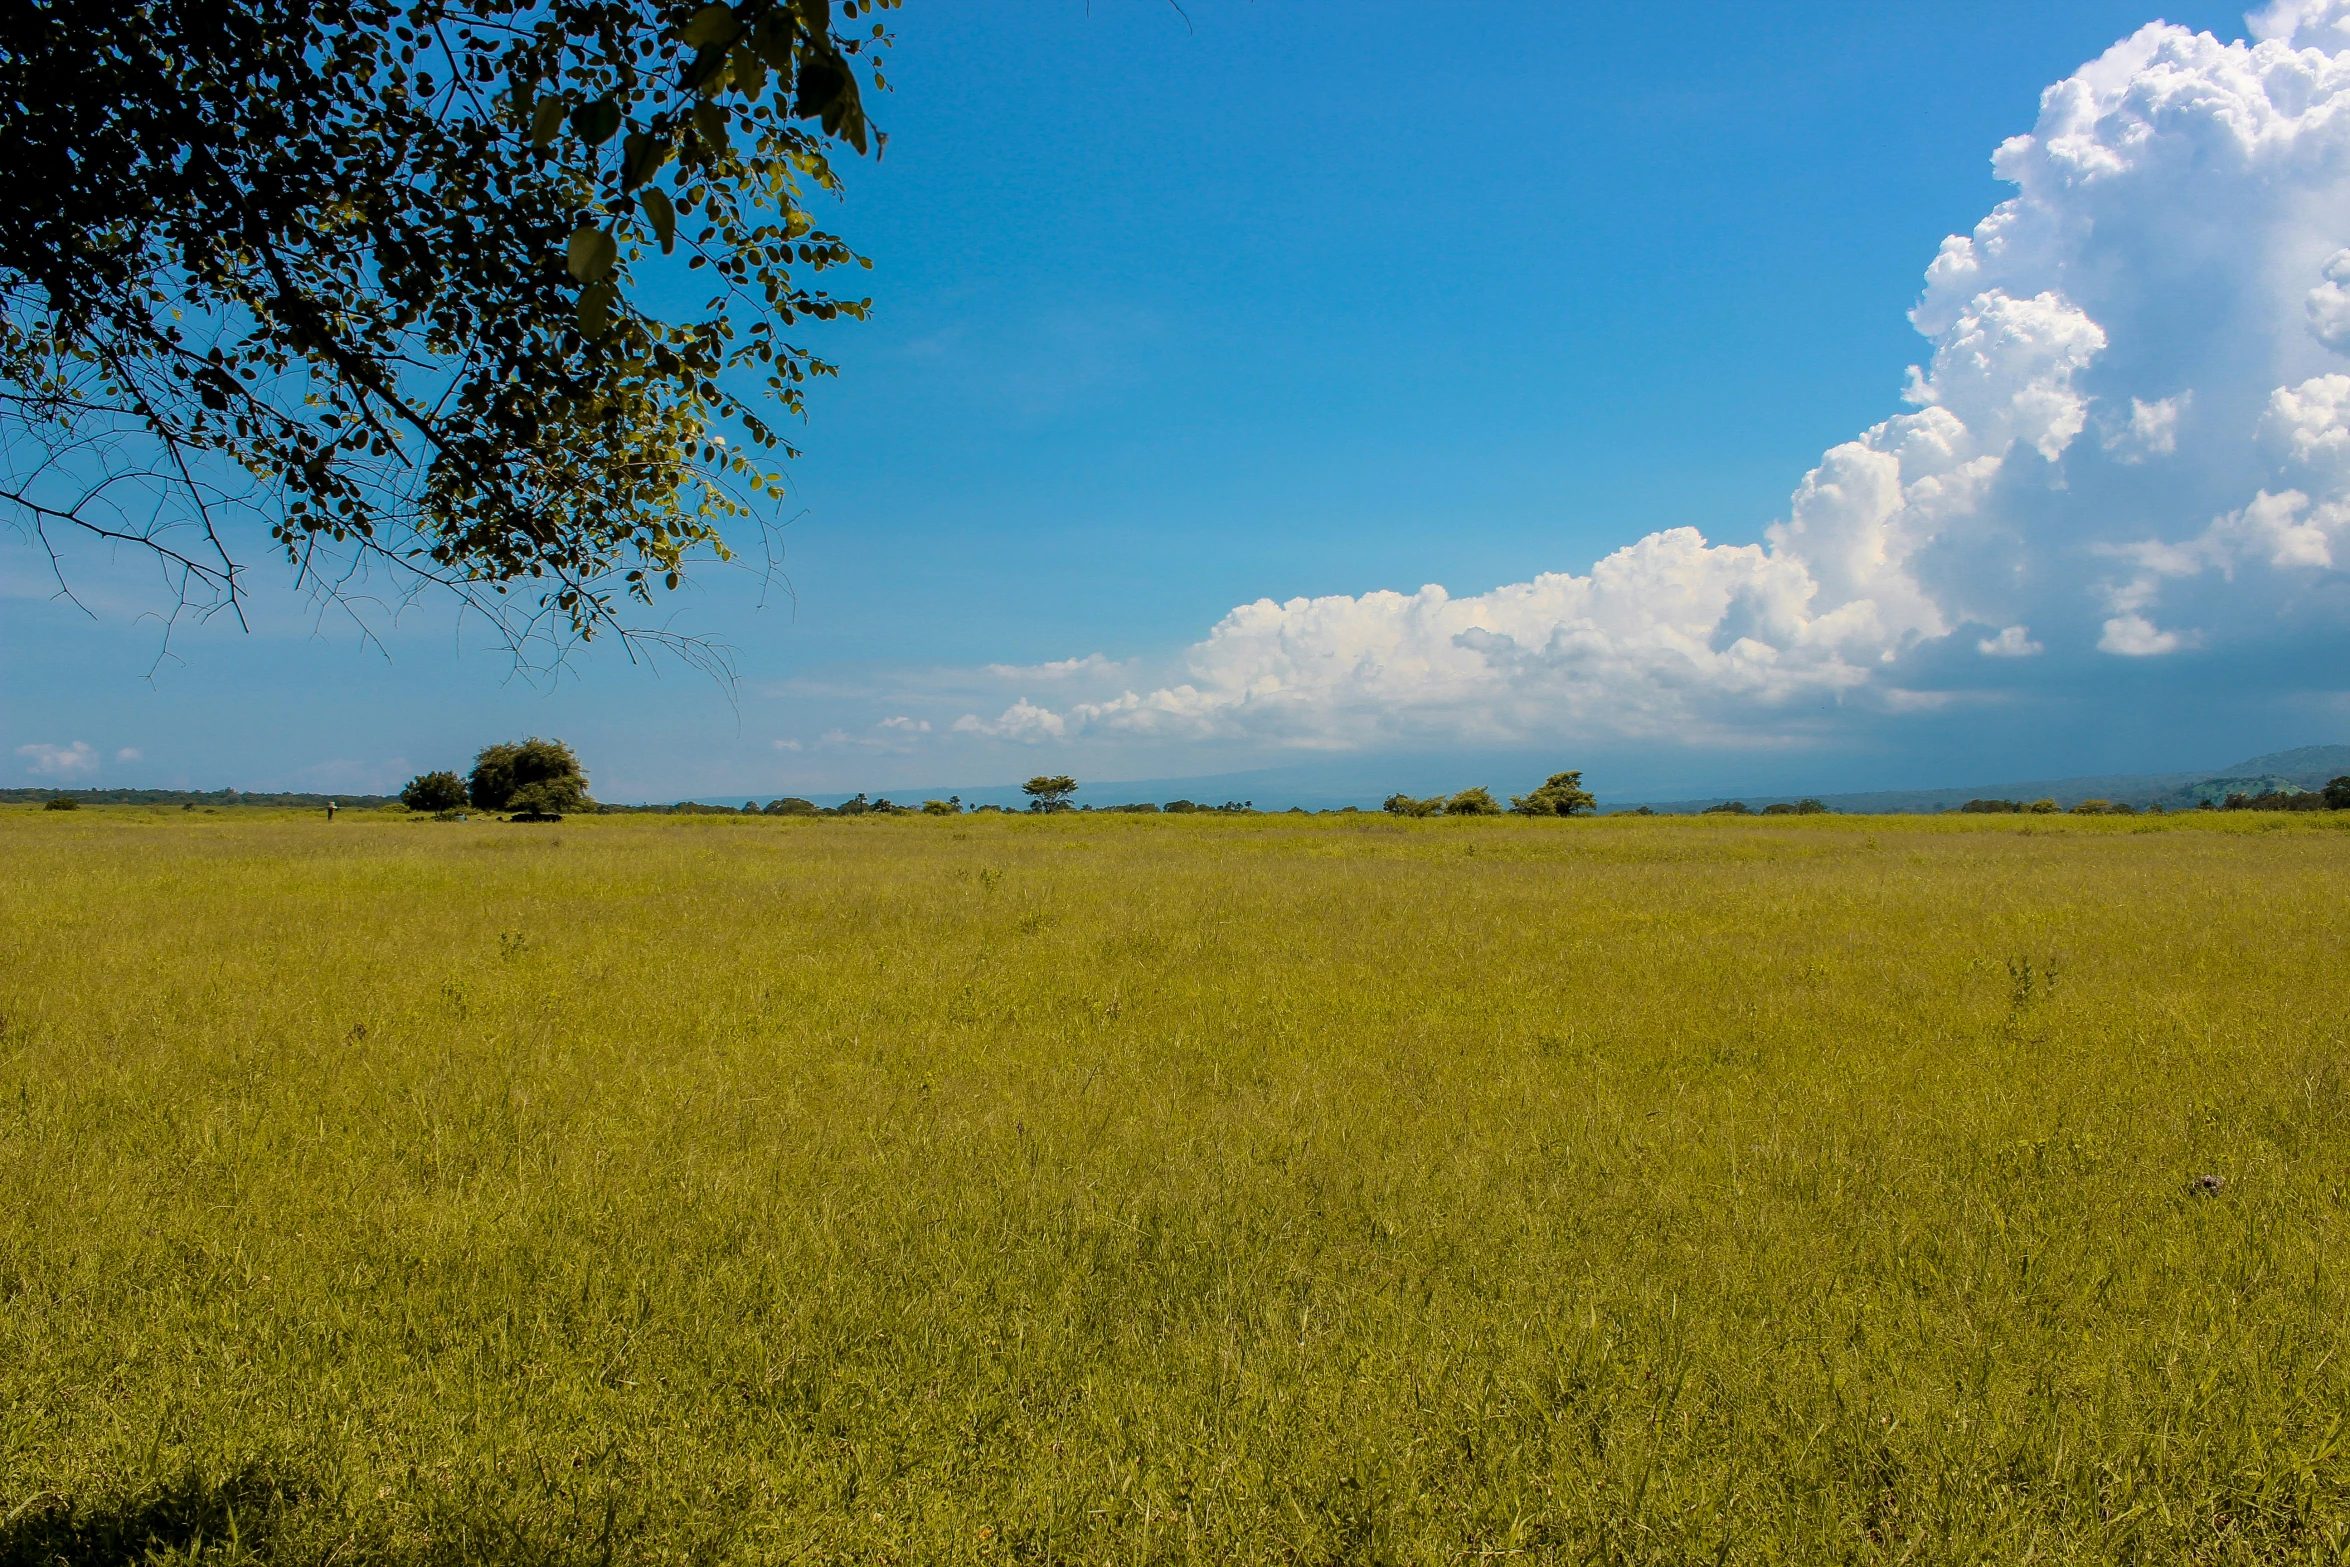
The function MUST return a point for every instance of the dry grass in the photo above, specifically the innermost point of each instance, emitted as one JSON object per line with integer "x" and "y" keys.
{"x": 1133, "y": 1189}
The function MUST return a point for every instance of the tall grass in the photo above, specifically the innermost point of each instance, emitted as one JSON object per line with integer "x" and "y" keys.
{"x": 1146, "y": 1190}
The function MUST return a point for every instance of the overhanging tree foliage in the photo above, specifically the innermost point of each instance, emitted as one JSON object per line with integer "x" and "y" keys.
{"x": 376, "y": 271}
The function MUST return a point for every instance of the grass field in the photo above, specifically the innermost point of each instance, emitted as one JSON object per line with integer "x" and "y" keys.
{"x": 1147, "y": 1190}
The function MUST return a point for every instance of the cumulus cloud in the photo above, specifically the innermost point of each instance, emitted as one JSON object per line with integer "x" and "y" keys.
{"x": 2172, "y": 273}
{"x": 130, "y": 753}
{"x": 60, "y": 761}
{"x": 905, "y": 726}
{"x": 2145, "y": 430}
{"x": 2012, "y": 642}
{"x": 1023, "y": 720}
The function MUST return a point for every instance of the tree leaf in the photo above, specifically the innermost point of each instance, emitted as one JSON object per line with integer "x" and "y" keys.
{"x": 545, "y": 121}
{"x": 595, "y": 309}
{"x": 641, "y": 156}
{"x": 750, "y": 72}
{"x": 595, "y": 122}
{"x": 712, "y": 24}
{"x": 772, "y": 39}
{"x": 590, "y": 255}
{"x": 710, "y": 120}
{"x": 663, "y": 217}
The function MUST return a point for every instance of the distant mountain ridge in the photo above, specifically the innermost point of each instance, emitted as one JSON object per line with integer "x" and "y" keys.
{"x": 2305, "y": 767}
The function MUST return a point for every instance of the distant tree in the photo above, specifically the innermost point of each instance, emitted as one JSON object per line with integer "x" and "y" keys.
{"x": 1808, "y": 807}
{"x": 1727, "y": 808}
{"x": 1472, "y": 802}
{"x": 535, "y": 778}
{"x": 791, "y": 805}
{"x": 62, "y": 802}
{"x": 2092, "y": 807}
{"x": 2337, "y": 794}
{"x": 2042, "y": 808}
{"x": 1562, "y": 794}
{"x": 443, "y": 791}
{"x": 942, "y": 808}
{"x": 1182, "y": 807}
{"x": 1993, "y": 807}
{"x": 1049, "y": 794}
{"x": 856, "y": 806}
{"x": 1405, "y": 805}
{"x": 1778, "y": 808}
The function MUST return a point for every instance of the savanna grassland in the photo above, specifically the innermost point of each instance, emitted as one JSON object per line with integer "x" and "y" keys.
{"x": 1149, "y": 1190}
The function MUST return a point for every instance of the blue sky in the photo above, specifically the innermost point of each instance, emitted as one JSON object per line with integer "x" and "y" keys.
{"x": 1300, "y": 301}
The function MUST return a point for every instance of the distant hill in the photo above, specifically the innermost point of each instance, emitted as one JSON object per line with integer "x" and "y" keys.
{"x": 2311, "y": 766}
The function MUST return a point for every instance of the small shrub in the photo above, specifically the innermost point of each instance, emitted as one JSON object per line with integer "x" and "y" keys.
{"x": 1405, "y": 805}
{"x": 432, "y": 792}
{"x": 952, "y": 807}
{"x": 1727, "y": 808}
{"x": 1472, "y": 802}
{"x": 2092, "y": 808}
{"x": 2042, "y": 808}
{"x": 63, "y": 802}
{"x": 791, "y": 805}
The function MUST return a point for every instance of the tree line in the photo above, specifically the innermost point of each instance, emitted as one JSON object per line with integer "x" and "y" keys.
{"x": 2335, "y": 796}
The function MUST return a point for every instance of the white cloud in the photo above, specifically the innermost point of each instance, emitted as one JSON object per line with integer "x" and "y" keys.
{"x": 1092, "y": 664}
{"x": 1023, "y": 721}
{"x": 905, "y": 726}
{"x": 2328, "y": 304}
{"x": 2148, "y": 430}
{"x": 60, "y": 761}
{"x": 2012, "y": 642}
{"x": 2134, "y": 636}
{"x": 130, "y": 753}
{"x": 2172, "y": 270}
{"x": 785, "y": 745}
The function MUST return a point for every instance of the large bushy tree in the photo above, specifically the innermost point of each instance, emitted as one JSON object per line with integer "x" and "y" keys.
{"x": 377, "y": 272}
{"x": 532, "y": 778}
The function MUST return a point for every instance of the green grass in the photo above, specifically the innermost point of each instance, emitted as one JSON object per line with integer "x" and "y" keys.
{"x": 1146, "y": 1190}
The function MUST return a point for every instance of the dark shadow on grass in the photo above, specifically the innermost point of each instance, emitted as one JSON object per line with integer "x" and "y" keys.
{"x": 222, "y": 1519}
